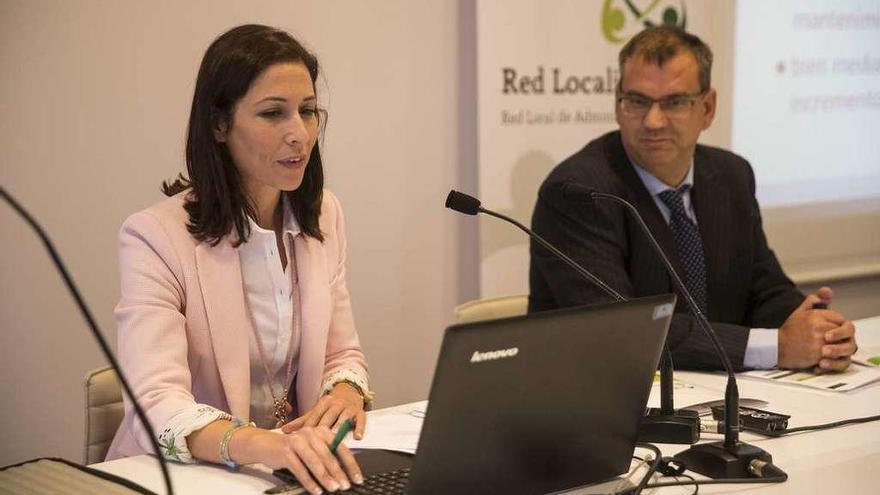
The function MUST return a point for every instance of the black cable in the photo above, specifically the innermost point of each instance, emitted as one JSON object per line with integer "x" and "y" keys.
{"x": 87, "y": 314}
{"x": 696, "y": 486}
{"x": 801, "y": 429}
{"x": 630, "y": 474}
{"x": 718, "y": 481}
{"x": 652, "y": 468}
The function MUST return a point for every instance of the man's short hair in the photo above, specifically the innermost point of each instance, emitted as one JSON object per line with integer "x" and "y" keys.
{"x": 659, "y": 44}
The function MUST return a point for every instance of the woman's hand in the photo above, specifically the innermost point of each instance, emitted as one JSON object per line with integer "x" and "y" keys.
{"x": 305, "y": 452}
{"x": 342, "y": 403}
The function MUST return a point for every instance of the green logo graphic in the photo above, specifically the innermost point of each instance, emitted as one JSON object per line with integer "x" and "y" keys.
{"x": 615, "y": 24}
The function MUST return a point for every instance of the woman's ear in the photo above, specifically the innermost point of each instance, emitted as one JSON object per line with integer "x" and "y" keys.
{"x": 220, "y": 129}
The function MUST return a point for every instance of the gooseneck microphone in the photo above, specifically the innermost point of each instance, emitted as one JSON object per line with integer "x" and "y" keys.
{"x": 664, "y": 425}
{"x": 470, "y": 205}
{"x": 93, "y": 326}
{"x": 730, "y": 458}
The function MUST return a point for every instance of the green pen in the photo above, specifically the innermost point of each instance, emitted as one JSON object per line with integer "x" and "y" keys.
{"x": 343, "y": 430}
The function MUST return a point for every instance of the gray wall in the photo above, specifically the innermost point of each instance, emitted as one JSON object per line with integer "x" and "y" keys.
{"x": 856, "y": 298}
{"x": 94, "y": 99}
{"x": 93, "y": 104}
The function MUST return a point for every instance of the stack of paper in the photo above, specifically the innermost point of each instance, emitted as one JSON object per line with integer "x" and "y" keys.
{"x": 867, "y": 355}
{"x": 398, "y": 431}
{"x": 855, "y": 376}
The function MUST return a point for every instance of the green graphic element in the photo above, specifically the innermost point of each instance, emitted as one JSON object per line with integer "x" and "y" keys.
{"x": 171, "y": 450}
{"x": 614, "y": 19}
{"x": 612, "y": 22}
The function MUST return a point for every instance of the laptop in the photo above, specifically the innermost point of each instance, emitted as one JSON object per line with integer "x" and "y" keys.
{"x": 533, "y": 404}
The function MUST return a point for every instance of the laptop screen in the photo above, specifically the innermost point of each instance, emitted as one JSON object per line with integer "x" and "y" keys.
{"x": 541, "y": 402}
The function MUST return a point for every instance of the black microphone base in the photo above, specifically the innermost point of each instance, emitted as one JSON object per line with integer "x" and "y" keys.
{"x": 683, "y": 426}
{"x": 713, "y": 460}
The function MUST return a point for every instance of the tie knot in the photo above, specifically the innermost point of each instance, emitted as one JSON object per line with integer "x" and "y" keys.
{"x": 673, "y": 197}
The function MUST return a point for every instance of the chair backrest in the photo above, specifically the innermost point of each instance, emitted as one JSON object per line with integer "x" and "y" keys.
{"x": 492, "y": 308}
{"x": 104, "y": 412}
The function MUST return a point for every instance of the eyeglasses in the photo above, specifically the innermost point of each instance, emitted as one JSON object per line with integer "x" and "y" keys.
{"x": 674, "y": 107}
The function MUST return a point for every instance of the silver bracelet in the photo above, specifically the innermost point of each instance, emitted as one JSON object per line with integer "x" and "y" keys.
{"x": 237, "y": 424}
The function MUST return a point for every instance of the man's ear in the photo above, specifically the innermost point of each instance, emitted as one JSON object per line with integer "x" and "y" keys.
{"x": 709, "y": 104}
{"x": 220, "y": 129}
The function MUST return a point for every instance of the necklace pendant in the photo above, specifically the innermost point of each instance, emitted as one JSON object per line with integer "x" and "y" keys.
{"x": 282, "y": 410}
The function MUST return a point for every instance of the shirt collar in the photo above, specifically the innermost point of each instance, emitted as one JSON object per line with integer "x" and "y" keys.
{"x": 656, "y": 186}
{"x": 288, "y": 221}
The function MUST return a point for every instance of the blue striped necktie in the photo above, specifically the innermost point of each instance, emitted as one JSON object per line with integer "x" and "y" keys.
{"x": 689, "y": 244}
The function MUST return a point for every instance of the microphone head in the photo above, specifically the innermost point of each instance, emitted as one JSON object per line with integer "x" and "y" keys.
{"x": 462, "y": 203}
{"x": 572, "y": 191}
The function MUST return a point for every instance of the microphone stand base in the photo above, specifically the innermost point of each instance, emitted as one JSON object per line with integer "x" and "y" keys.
{"x": 682, "y": 426}
{"x": 714, "y": 460}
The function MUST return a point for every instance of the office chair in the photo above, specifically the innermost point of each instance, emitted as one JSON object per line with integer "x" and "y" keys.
{"x": 491, "y": 308}
{"x": 104, "y": 412}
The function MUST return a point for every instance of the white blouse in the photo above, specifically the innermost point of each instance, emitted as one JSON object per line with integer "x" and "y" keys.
{"x": 269, "y": 291}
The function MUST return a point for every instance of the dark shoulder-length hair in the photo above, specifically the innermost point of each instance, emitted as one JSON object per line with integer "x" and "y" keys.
{"x": 217, "y": 203}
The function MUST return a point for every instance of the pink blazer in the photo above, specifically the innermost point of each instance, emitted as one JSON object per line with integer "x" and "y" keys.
{"x": 183, "y": 323}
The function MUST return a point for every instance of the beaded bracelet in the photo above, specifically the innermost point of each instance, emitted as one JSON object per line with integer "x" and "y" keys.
{"x": 237, "y": 424}
{"x": 366, "y": 395}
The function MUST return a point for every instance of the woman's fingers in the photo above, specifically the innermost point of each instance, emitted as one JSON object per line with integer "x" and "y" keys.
{"x": 320, "y": 444}
{"x": 350, "y": 464}
{"x": 302, "y": 475}
{"x": 311, "y": 461}
{"x": 330, "y": 416}
{"x": 360, "y": 425}
{"x": 294, "y": 425}
{"x": 307, "y": 453}
{"x": 317, "y": 412}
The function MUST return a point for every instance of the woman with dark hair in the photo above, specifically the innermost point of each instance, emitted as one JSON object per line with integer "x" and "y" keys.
{"x": 234, "y": 316}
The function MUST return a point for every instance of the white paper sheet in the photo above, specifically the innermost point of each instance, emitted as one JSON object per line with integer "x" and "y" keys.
{"x": 398, "y": 431}
{"x": 855, "y": 376}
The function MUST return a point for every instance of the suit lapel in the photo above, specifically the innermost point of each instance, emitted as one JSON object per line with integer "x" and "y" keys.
{"x": 229, "y": 323}
{"x": 711, "y": 201}
{"x": 315, "y": 311}
{"x": 647, "y": 207}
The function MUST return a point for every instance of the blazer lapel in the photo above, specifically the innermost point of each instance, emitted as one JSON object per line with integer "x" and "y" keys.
{"x": 315, "y": 313}
{"x": 711, "y": 201}
{"x": 647, "y": 207}
{"x": 229, "y": 323}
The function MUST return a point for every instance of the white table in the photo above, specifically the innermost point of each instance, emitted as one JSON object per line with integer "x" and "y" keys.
{"x": 840, "y": 460}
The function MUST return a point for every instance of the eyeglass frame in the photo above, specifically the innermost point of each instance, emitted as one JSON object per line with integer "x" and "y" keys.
{"x": 691, "y": 98}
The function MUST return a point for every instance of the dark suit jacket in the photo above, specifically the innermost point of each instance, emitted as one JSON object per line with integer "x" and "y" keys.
{"x": 746, "y": 286}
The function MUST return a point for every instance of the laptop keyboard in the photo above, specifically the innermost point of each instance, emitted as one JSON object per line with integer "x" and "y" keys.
{"x": 390, "y": 483}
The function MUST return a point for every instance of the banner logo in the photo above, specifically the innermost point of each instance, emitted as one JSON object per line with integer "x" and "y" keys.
{"x": 617, "y": 28}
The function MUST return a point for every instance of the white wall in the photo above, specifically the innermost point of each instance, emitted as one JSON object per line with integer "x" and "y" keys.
{"x": 94, "y": 99}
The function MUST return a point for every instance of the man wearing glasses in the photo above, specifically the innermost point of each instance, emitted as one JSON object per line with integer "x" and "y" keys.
{"x": 699, "y": 202}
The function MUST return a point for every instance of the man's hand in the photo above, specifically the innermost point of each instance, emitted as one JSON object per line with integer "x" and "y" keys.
{"x": 816, "y": 337}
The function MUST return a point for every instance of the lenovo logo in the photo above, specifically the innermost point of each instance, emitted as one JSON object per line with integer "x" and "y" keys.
{"x": 479, "y": 357}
